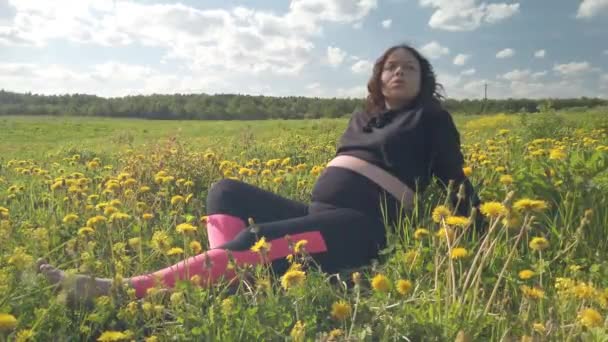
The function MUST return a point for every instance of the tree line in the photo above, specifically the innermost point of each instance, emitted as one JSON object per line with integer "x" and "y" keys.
{"x": 245, "y": 107}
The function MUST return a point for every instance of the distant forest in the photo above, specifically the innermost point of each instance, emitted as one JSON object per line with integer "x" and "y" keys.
{"x": 245, "y": 107}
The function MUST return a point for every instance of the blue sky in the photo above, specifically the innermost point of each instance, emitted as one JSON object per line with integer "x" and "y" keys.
{"x": 325, "y": 48}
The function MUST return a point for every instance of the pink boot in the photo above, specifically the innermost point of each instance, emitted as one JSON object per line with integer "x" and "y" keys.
{"x": 222, "y": 228}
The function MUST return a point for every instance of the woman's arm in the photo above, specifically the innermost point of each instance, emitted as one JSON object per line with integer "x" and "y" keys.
{"x": 447, "y": 161}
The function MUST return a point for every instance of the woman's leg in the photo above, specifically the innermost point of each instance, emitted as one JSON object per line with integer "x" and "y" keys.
{"x": 336, "y": 239}
{"x": 230, "y": 203}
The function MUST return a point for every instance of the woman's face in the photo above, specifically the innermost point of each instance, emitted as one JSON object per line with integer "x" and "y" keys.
{"x": 400, "y": 78}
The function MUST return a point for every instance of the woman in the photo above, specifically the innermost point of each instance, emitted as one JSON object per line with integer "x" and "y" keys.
{"x": 388, "y": 151}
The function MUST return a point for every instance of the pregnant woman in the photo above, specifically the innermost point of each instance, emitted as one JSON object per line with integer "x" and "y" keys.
{"x": 388, "y": 154}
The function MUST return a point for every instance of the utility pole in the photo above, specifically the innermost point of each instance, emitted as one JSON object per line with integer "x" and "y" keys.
{"x": 485, "y": 98}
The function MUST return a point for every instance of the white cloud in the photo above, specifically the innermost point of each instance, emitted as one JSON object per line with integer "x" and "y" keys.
{"x": 461, "y": 59}
{"x": 107, "y": 79}
{"x": 434, "y": 50}
{"x": 332, "y": 10}
{"x": 387, "y": 23}
{"x": 540, "y": 54}
{"x": 335, "y": 56}
{"x": 524, "y": 75}
{"x": 362, "y": 66}
{"x": 590, "y": 8}
{"x": 572, "y": 68}
{"x": 605, "y": 52}
{"x": 516, "y": 84}
{"x": 466, "y": 15}
{"x": 468, "y": 72}
{"x": 506, "y": 53}
{"x": 211, "y": 40}
{"x": 517, "y": 75}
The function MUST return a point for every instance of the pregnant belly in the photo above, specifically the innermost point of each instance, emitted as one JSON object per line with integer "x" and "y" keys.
{"x": 346, "y": 189}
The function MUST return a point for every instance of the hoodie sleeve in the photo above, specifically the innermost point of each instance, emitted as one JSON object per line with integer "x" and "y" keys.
{"x": 447, "y": 161}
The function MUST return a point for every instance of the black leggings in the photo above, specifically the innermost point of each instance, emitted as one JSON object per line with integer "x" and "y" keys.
{"x": 352, "y": 237}
{"x": 342, "y": 226}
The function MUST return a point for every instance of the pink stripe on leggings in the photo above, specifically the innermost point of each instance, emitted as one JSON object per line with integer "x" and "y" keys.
{"x": 218, "y": 258}
{"x": 222, "y": 228}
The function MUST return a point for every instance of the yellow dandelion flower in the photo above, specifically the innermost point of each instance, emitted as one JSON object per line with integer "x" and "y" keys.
{"x": 539, "y": 243}
{"x": 340, "y": 310}
{"x": 4, "y": 212}
{"x": 299, "y": 246}
{"x": 96, "y": 221}
{"x": 335, "y": 334}
{"x": 298, "y": 332}
{"x": 25, "y": 335}
{"x": 70, "y": 218}
{"x": 161, "y": 241}
{"x": 134, "y": 242}
{"x": 196, "y": 247}
{"x": 557, "y": 154}
{"x": 189, "y": 198}
{"x": 261, "y": 246}
{"x": 457, "y": 221}
{"x": 7, "y": 322}
{"x": 404, "y": 286}
{"x": 412, "y": 259}
{"x": 175, "y": 251}
{"x": 109, "y": 210}
{"x": 111, "y": 336}
{"x": 459, "y": 253}
{"x": 532, "y": 292}
{"x": 526, "y": 204}
{"x": 177, "y": 199}
{"x": 293, "y": 277}
{"x": 118, "y": 217}
{"x": 583, "y": 290}
{"x": 185, "y": 228}
{"x": 493, "y": 209}
{"x": 421, "y": 233}
{"x": 86, "y": 231}
{"x": 441, "y": 212}
{"x": 147, "y": 216}
{"x": 381, "y": 283}
{"x": 506, "y": 180}
{"x": 445, "y": 233}
{"x": 539, "y": 328}
{"x": 526, "y": 274}
{"x": 590, "y": 318}
{"x": 468, "y": 171}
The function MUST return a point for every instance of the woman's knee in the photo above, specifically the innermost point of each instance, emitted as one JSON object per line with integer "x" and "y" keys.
{"x": 223, "y": 193}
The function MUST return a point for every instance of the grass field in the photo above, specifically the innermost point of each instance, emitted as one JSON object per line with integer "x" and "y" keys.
{"x": 104, "y": 196}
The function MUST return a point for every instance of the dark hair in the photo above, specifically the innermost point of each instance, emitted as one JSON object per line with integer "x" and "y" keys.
{"x": 430, "y": 90}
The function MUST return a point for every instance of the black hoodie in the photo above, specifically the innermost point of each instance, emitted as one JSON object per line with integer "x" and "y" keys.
{"x": 412, "y": 143}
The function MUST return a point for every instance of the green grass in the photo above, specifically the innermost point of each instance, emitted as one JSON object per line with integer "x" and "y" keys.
{"x": 481, "y": 297}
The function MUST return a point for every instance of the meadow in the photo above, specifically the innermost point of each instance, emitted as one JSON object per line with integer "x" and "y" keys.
{"x": 104, "y": 197}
